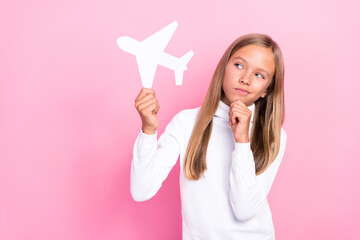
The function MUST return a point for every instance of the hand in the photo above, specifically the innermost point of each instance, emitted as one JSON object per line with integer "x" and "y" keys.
{"x": 148, "y": 107}
{"x": 239, "y": 120}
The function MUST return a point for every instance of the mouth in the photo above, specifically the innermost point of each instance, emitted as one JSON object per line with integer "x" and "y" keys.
{"x": 242, "y": 91}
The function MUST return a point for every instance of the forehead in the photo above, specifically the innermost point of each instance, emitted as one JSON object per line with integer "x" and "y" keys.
{"x": 257, "y": 57}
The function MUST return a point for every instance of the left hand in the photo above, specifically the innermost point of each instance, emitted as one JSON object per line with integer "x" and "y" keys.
{"x": 239, "y": 120}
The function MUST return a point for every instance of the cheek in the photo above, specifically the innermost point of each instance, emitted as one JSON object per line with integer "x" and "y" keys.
{"x": 227, "y": 84}
{"x": 259, "y": 86}
{"x": 229, "y": 78}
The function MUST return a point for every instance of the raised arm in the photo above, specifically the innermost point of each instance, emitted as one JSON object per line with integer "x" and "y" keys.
{"x": 152, "y": 159}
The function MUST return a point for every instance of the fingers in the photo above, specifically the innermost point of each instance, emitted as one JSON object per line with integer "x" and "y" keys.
{"x": 150, "y": 105}
{"x": 236, "y": 114}
{"x": 144, "y": 96}
{"x": 232, "y": 118}
{"x": 238, "y": 110}
{"x": 144, "y": 92}
{"x": 147, "y": 106}
{"x": 146, "y": 102}
{"x": 239, "y": 105}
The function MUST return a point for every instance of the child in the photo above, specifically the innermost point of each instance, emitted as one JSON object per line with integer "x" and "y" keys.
{"x": 230, "y": 148}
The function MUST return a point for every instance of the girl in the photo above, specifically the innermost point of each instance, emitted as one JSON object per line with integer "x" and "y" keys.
{"x": 230, "y": 148}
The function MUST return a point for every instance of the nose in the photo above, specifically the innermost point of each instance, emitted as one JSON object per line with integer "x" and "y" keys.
{"x": 245, "y": 77}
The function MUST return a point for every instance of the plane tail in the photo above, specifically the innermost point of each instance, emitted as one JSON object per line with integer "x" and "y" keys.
{"x": 180, "y": 72}
{"x": 186, "y": 58}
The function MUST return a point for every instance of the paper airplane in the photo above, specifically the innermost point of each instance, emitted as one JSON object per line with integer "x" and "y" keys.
{"x": 150, "y": 52}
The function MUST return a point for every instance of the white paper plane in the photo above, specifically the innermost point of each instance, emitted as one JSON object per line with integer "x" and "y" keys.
{"x": 150, "y": 52}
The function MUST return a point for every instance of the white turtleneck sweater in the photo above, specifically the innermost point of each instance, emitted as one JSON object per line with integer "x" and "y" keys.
{"x": 230, "y": 201}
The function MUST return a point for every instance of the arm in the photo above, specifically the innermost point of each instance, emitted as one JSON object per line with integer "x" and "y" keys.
{"x": 153, "y": 160}
{"x": 248, "y": 192}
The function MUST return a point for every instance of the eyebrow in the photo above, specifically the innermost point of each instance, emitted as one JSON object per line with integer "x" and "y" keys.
{"x": 257, "y": 68}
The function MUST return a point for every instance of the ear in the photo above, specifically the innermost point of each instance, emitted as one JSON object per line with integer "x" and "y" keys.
{"x": 263, "y": 94}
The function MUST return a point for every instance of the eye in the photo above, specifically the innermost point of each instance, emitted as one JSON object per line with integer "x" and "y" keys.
{"x": 258, "y": 74}
{"x": 239, "y": 65}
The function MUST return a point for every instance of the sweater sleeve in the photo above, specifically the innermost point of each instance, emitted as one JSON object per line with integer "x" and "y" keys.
{"x": 153, "y": 159}
{"x": 248, "y": 192}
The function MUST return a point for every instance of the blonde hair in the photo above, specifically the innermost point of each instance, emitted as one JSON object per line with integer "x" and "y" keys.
{"x": 268, "y": 115}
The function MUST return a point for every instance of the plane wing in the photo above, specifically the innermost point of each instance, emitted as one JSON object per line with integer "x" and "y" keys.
{"x": 179, "y": 76}
{"x": 160, "y": 39}
{"x": 147, "y": 68}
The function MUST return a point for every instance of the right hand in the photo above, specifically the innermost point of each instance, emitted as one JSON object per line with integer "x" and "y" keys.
{"x": 148, "y": 107}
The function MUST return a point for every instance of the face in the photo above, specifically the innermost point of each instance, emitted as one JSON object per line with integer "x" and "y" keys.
{"x": 248, "y": 74}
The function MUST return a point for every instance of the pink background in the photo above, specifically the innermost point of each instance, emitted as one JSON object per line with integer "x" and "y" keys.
{"x": 68, "y": 121}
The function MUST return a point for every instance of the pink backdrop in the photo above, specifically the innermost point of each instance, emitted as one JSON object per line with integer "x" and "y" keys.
{"x": 68, "y": 122}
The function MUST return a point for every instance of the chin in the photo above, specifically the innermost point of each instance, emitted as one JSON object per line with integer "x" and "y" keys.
{"x": 240, "y": 98}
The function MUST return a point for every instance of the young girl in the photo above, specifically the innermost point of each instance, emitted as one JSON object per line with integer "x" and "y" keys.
{"x": 230, "y": 148}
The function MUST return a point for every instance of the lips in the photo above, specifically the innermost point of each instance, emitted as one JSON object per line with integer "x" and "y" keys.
{"x": 242, "y": 91}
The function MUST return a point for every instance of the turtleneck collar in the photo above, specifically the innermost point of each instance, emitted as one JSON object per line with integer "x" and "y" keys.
{"x": 223, "y": 110}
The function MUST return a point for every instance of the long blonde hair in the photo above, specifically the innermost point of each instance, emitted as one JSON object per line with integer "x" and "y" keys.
{"x": 268, "y": 115}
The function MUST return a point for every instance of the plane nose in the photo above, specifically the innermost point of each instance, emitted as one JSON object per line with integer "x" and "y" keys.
{"x": 126, "y": 44}
{"x": 122, "y": 41}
